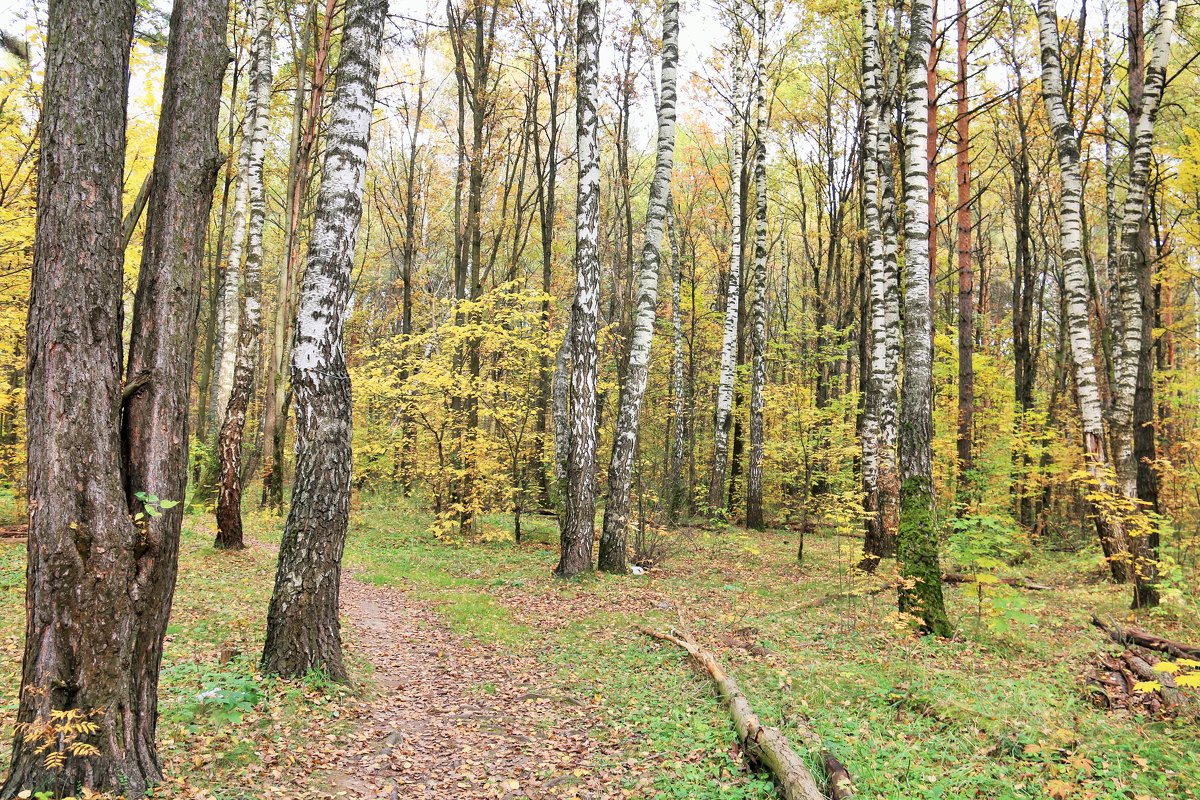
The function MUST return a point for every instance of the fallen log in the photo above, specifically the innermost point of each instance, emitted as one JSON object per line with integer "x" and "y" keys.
{"x": 1135, "y": 635}
{"x": 1020, "y": 583}
{"x": 767, "y": 746}
{"x": 840, "y": 784}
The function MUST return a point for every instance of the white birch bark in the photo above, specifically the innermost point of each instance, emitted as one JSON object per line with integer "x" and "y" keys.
{"x": 303, "y": 632}
{"x": 1129, "y": 259}
{"x": 758, "y": 291}
{"x": 917, "y": 545}
{"x": 233, "y": 416}
{"x": 620, "y": 469}
{"x": 724, "y": 408}
{"x": 1112, "y": 537}
{"x": 579, "y": 516}
{"x": 678, "y": 422}
{"x": 229, "y": 313}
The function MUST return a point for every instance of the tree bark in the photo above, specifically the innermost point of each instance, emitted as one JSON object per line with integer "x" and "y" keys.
{"x": 1112, "y": 534}
{"x": 233, "y": 425}
{"x": 575, "y": 546}
{"x": 725, "y": 385}
{"x": 758, "y": 292}
{"x": 675, "y": 488}
{"x": 917, "y": 545}
{"x": 620, "y": 470}
{"x": 303, "y": 631}
{"x": 966, "y": 271}
{"x": 97, "y": 653}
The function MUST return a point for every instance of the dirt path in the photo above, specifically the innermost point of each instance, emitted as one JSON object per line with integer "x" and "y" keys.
{"x": 455, "y": 718}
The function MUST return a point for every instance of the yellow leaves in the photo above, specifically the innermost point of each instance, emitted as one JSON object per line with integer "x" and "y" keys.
{"x": 1166, "y": 666}
{"x": 1058, "y": 789}
{"x": 1190, "y": 681}
{"x": 1147, "y": 686}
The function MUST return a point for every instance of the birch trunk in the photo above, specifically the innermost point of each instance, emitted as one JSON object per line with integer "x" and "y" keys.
{"x": 580, "y": 511}
{"x": 1131, "y": 265}
{"x": 917, "y": 546}
{"x": 233, "y": 425}
{"x": 758, "y": 291}
{"x": 877, "y": 273}
{"x": 303, "y": 632}
{"x": 230, "y": 313}
{"x": 620, "y": 470}
{"x": 99, "y": 587}
{"x": 1075, "y": 277}
{"x": 725, "y": 385}
{"x": 678, "y": 423}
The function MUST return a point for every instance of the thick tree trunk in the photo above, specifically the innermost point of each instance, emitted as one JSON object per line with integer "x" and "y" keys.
{"x": 725, "y": 386}
{"x": 758, "y": 292}
{"x": 620, "y": 470}
{"x": 1112, "y": 534}
{"x": 917, "y": 545}
{"x": 97, "y": 653}
{"x": 233, "y": 425}
{"x": 580, "y": 510}
{"x": 303, "y": 631}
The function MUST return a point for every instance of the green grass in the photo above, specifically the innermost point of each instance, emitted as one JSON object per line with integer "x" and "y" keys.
{"x": 995, "y": 712}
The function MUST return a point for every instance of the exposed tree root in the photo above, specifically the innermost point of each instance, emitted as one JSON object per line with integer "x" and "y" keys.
{"x": 1135, "y": 635}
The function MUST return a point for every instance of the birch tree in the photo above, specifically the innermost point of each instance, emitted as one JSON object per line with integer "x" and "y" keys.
{"x": 920, "y": 593}
{"x": 99, "y": 583}
{"x": 229, "y": 441}
{"x": 758, "y": 290}
{"x": 575, "y": 545}
{"x": 620, "y": 470}
{"x": 1112, "y": 534}
{"x": 674, "y": 493}
{"x": 725, "y": 385}
{"x": 303, "y": 630}
{"x": 878, "y": 439}
{"x": 1131, "y": 262}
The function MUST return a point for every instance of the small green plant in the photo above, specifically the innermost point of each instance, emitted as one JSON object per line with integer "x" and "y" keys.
{"x": 227, "y": 696}
{"x": 152, "y": 506}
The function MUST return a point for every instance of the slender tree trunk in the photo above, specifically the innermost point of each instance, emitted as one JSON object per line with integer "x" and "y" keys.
{"x": 1112, "y": 534}
{"x": 303, "y": 632}
{"x": 758, "y": 293}
{"x": 725, "y": 385}
{"x": 966, "y": 271}
{"x": 580, "y": 512}
{"x": 620, "y": 470}
{"x": 274, "y": 422}
{"x": 675, "y": 488}
{"x": 97, "y": 653}
{"x": 233, "y": 426}
{"x": 917, "y": 546}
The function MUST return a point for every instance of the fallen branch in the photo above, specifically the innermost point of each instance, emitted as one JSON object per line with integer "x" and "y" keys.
{"x": 1134, "y": 635}
{"x": 1020, "y": 583}
{"x": 840, "y": 784}
{"x": 767, "y": 746}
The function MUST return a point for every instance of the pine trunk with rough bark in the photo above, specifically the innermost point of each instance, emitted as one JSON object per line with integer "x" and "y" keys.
{"x": 303, "y": 631}
{"x": 917, "y": 544}
{"x": 579, "y": 522}
{"x": 97, "y": 653}
{"x": 233, "y": 425}
{"x": 723, "y": 417}
{"x": 966, "y": 270}
{"x": 1076, "y": 283}
{"x": 612, "y": 557}
{"x": 758, "y": 291}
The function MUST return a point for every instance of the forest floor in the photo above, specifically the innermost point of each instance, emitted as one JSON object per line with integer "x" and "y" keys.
{"x": 479, "y": 675}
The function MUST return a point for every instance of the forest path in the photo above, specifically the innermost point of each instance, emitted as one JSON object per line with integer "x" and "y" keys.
{"x": 452, "y": 717}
